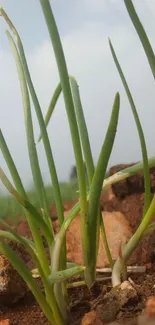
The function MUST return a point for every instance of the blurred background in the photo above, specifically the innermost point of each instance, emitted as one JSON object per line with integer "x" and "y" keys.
{"x": 84, "y": 26}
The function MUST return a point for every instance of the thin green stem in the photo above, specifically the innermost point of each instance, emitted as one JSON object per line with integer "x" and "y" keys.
{"x": 30, "y": 135}
{"x": 64, "y": 79}
{"x": 96, "y": 187}
{"x": 62, "y": 68}
{"x": 18, "y": 264}
{"x": 82, "y": 129}
{"x": 105, "y": 242}
{"x": 83, "y": 283}
{"x": 133, "y": 242}
{"x": 60, "y": 237}
{"x": 56, "y": 255}
{"x": 127, "y": 173}
{"x": 29, "y": 246}
{"x": 27, "y": 205}
{"x": 140, "y": 132}
{"x": 9, "y": 235}
{"x": 149, "y": 229}
{"x": 52, "y": 105}
{"x": 49, "y": 155}
{"x": 142, "y": 34}
{"x": 88, "y": 159}
{"x": 46, "y": 142}
{"x": 19, "y": 186}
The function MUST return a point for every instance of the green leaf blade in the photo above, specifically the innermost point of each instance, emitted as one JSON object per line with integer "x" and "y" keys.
{"x": 96, "y": 186}
{"x": 52, "y": 105}
{"x": 140, "y": 132}
{"x": 64, "y": 275}
{"x": 142, "y": 34}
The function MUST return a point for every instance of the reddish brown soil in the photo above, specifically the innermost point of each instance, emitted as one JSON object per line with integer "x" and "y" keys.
{"x": 26, "y": 311}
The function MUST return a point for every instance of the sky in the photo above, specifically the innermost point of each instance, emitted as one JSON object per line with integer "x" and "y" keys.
{"x": 84, "y": 27}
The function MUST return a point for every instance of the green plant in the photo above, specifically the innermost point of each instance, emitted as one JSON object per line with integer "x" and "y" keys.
{"x": 54, "y": 276}
{"x": 149, "y": 208}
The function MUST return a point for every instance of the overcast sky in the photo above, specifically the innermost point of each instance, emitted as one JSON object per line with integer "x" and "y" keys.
{"x": 84, "y": 26}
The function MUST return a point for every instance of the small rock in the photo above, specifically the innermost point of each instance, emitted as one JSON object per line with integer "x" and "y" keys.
{"x": 114, "y": 300}
{"x": 118, "y": 232}
{"x": 12, "y": 287}
{"x": 127, "y": 292}
{"x": 89, "y": 318}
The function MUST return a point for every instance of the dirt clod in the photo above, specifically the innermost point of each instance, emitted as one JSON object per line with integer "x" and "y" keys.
{"x": 126, "y": 293}
{"x": 12, "y": 287}
{"x": 131, "y": 185}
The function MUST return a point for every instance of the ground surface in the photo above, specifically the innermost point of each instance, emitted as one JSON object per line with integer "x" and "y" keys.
{"x": 26, "y": 311}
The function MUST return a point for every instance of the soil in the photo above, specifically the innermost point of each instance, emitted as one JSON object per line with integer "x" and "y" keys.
{"x": 130, "y": 203}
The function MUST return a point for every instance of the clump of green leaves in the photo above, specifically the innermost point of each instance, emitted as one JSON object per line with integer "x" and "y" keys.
{"x": 54, "y": 276}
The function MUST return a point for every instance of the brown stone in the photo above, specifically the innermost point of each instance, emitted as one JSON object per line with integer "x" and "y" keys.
{"x": 12, "y": 287}
{"x": 118, "y": 232}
